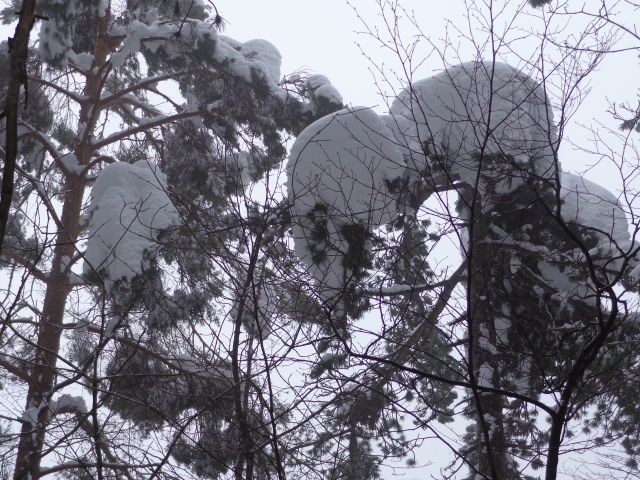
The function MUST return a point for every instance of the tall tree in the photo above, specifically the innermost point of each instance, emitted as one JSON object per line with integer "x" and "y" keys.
{"x": 18, "y": 50}
{"x": 143, "y": 131}
{"x": 550, "y": 263}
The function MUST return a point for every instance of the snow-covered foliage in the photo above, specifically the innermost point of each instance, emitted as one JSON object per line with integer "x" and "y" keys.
{"x": 453, "y": 121}
{"x": 67, "y": 403}
{"x": 345, "y": 161}
{"x": 151, "y": 390}
{"x": 130, "y": 207}
{"x": 340, "y": 179}
{"x": 63, "y": 36}
{"x": 600, "y": 223}
{"x": 266, "y": 55}
{"x": 598, "y": 211}
{"x": 480, "y": 108}
{"x": 248, "y": 61}
{"x": 322, "y": 92}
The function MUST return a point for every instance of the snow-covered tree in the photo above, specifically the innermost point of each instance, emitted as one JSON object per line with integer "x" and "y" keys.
{"x": 136, "y": 278}
{"x": 186, "y": 297}
{"x": 547, "y": 322}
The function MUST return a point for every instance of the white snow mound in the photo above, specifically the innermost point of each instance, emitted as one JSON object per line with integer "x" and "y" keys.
{"x": 265, "y": 54}
{"x": 341, "y": 163}
{"x": 477, "y": 107}
{"x": 322, "y": 88}
{"x": 596, "y": 208}
{"x": 129, "y": 208}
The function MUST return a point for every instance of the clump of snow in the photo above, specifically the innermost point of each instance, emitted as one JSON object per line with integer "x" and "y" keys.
{"x": 589, "y": 205}
{"x": 343, "y": 161}
{"x": 103, "y": 8}
{"x": 265, "y": 55}
{"x": 323, "y": 89}
{"x": 568, "y": 282}
{"x": 58, "y": 33}
{"x": 502, "y": 326}
{"x": 68, "y": 404}
{"x": 599, "y": 214}
{"x": 405, "y": 137}
{"x": 70, "y": 163}
{"x": 135, "y": 32}
{"x": 480, "y": 107}
{"x": 338, "y": 175}
{"x": 485, "y": 375}
{"x": 54, "y": 42}
{"x": 244, "y": 60}
{"x": 129, "y": 208}
{"x": 81, "y": 60}
{"x": 483, "y": 341}
{"x": 31, "y": 414}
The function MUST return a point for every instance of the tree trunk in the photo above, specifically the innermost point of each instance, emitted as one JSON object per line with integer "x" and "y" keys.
{"x": 43, "y": 373}
{"x": 491, "y": 457}
{"x": 19, "y": 54}
{"x": 49, "y": 332}
{"x": 508, "y": 331}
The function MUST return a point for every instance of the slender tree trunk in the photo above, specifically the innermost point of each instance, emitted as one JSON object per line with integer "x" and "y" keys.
{"x": 506, "y": 330}
{"x": 485, "y": 265}
{"x": 19, "y": 53}
{"x": 49, "y": 333}
{"x": 244, "y": 455}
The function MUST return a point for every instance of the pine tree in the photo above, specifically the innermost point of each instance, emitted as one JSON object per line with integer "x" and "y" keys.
{"x": 542, "y": 253}
{"x": 132, "y": 224}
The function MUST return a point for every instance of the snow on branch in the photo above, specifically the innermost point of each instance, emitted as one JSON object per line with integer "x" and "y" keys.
{"x": 477, "y": 109}
{"x": 599, "y": 213}
{"x": 593, "y": 207}
{"x": 254, "y": 58}
{"x": 129, "y": 209}
{"x": 149, "y": 122}
{"x": 68, "y": 404}
{"x": 339, "y": 176}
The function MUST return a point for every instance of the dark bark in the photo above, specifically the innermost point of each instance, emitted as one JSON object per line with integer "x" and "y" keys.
{"x": 507, "y": 329}
{"x": 484, "y": 261}
{"x": 18, "y": 54}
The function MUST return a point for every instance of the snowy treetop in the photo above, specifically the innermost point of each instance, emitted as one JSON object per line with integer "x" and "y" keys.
{"x": 341, "y": 167}
{"x": 480, "y": 107}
